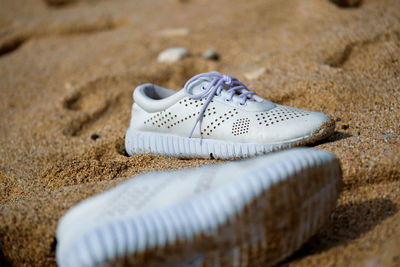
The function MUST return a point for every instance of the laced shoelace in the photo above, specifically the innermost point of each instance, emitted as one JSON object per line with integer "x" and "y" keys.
{"x": 214, "y": 88}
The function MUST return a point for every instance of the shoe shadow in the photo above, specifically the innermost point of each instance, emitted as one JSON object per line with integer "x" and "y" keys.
{"x": 347, "y": 222}
{"x": 3, "y": 260}
{"x": 333, "y": 138}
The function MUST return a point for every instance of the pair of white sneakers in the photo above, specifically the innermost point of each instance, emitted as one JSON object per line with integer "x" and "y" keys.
{"x": 242, "y": 213}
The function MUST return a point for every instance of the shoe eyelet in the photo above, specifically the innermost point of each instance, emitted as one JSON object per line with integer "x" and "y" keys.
{"x": 204, "y": 86}
{"x": 228, "y": 100}
{"x": 243, "y": 105}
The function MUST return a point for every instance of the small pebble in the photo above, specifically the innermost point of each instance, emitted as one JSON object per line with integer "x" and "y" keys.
{"x": 252, "y": 75}
{"x": 384, "y": 137}
{"x": 211, "y": 54}
{"x": 173, "y": 54}
{"x": 68, "y": 85}
{"x": 94, "y": 136}
{"x": 345, "y": 126}
{"x": 174, "y": 32}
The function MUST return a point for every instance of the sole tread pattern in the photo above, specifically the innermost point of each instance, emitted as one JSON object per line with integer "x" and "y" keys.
{"x": 249, "y": 222}
{"x": 177, "y": 146}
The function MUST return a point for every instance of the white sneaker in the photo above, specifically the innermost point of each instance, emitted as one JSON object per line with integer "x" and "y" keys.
{"x": 215, "y": 115}
{"x": 245, "y": 213}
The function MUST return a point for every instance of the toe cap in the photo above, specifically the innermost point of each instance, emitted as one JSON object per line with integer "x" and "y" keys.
{"x": 300, "y": 124}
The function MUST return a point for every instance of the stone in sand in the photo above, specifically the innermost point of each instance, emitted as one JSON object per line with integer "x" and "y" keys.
{"x": 173, "y": 54}
{"x": 175, "y": 32}
{"x": 211, "y": 54}
{"x": 255, "y": 74}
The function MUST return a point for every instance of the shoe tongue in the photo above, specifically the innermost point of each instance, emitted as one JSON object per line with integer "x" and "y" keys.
{"x": 195, "y": 87}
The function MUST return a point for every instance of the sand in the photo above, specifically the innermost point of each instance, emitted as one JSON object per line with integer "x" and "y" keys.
{"x": 68, "y": 69}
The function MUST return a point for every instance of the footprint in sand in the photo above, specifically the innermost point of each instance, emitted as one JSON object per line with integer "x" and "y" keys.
{"x": 345, "y": 56}
{"x": 10, "y": 39}
{"x": 94, "y": 103}
{"x": 347, "y": 3}
{"x": 62, "y": 3}
{"x": 12, "y": 36}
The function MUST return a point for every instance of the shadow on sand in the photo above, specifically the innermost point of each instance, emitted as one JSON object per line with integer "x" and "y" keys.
{"x": 336, "y": 136}
{"x": 3, "y": 260}
{"x": 347, "y": 222}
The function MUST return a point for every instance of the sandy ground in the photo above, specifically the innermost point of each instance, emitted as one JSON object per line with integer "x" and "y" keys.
{"x": 68, "y": 68}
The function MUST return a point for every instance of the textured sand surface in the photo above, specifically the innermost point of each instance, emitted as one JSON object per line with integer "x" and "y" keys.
{"x": 68, "y": 68}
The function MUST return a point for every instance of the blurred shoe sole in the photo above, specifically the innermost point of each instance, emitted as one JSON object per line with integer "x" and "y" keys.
{"x": 253, "y": 212}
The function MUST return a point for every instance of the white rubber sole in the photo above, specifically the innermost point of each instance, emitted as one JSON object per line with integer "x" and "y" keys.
{"x": 255, "y": 220}
{"x": 176, "y": 146}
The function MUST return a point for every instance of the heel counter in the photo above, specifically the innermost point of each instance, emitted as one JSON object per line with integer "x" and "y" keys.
{"x": 137, "y": 117}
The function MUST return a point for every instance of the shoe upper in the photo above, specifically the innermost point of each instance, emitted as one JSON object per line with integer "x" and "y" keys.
{"x": 216, "y": 106}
